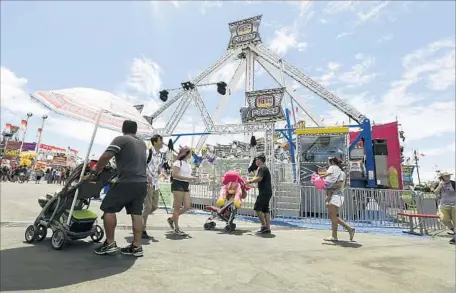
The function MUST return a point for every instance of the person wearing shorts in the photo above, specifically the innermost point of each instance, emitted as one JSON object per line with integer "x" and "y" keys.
{"x": 180, "y": 187}
{"x": 261, "y": 207}
{"x": 446, "y": 196}
{"x": 129, "y": 189}
{"x": 155, "y": 162}
{"x": 335, "y": 199}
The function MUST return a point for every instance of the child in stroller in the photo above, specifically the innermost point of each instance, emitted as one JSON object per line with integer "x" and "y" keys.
{"x": 233, "y": 191}
{"x": 56, "y": 209}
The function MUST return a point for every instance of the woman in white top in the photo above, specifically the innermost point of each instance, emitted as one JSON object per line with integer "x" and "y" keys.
{"x": 335, "y": 198}
{"x": 181, "y": 177}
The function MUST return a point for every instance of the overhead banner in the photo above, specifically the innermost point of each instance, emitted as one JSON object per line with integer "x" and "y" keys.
{"x": 244, "y": 32}
{"x": 29, "y": 146}
{"x": 264, "y": 106}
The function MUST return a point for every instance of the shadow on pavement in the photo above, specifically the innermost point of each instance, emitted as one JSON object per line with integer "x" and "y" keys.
{"x": 235, "y": 232}
{"x": 349, "y": 244}
{"x": 39, "y": 267}
{"x": 264, "y": 235}
{"x": 172, "y": 236}
{"x": 129, "y": 239}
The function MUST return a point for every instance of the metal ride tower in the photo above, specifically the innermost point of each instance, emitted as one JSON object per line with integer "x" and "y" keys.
{"x": 263, "y": 106}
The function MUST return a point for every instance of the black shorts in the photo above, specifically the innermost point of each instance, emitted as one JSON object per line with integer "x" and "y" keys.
{"x": 262, "y": 203}
{"x": 128, "y": 195}
{"x": 178, "y": 185}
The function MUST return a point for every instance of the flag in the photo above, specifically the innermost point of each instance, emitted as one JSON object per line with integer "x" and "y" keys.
{"x": 139, "y": 108}
{"x": 296, "y": 109}
{"x": 24, "y": 124}
{"x": 39, "y": 132}
{"x": 8, "y": 128}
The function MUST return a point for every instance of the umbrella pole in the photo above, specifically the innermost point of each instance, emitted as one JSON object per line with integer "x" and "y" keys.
{"x": 86, "y": 161}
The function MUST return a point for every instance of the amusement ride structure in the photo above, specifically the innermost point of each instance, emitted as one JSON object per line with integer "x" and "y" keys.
{"x": 264, "y": 108}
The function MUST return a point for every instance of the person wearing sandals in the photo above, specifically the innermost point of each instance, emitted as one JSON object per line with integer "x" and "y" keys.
{"x": 180, "y": 187}
{"x": 335, "y": 199}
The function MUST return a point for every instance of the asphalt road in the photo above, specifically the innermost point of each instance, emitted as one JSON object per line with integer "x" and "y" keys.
{"x": 211, "y": 261}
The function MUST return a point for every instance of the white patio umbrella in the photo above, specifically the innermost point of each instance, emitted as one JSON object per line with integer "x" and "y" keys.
{"x": 101, "y": 108}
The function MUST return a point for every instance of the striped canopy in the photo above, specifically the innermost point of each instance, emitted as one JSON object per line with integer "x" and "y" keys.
{"x": 85, "y": 104}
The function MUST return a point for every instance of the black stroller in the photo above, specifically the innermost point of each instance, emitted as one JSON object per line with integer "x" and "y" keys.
{"x": 227, "y": 214}
{"x": 56, "y": 209}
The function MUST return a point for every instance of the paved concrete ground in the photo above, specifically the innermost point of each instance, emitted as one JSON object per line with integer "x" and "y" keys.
{"x": 209, "y": 261}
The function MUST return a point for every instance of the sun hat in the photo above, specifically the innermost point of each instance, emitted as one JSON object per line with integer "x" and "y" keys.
{"x": 183, "y": 152}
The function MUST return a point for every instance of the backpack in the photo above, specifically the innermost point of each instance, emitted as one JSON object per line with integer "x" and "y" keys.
{"x": 171, "y": 178}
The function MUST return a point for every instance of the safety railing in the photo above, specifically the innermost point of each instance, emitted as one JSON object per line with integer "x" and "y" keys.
{"x": 293, "y": 202}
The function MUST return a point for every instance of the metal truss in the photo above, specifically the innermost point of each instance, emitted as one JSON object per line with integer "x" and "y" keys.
{"x": 267, "y": 67}
{"x": 199, "y": 103}
{"x": 218, "y": 64}
{"x": 223, "y": 101}
{"x": 308, "y": 82}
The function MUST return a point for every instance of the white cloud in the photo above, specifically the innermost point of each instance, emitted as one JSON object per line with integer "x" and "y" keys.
{"x": 14, "y": 96}
{"x": 145, "y": 77}
{"x": 285, "y": 39}
{"x": 372, "y": 13}
{"x": 433, "y": 152}
{"x": 359, "y": 75}
{"x": 206, "y": 5}
{"x": 288, "y": 37}
{"x": 421, "y": 118}
{"x": 364, "y": 11}
{"x": 331, "y": 73}
{"x": 344, "y": 34}
{"x": 385, "y": 38}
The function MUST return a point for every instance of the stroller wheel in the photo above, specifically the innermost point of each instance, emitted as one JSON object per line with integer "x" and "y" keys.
{"x": 228, "y": 228}
{"x": 209, "y": 226}
{"x": 41, "y": 233}
{"x": 98, "y": 235}
{"x": 30, "y": 234}
{"x": 233, "y": 226}
{"x": 58, "y": 239}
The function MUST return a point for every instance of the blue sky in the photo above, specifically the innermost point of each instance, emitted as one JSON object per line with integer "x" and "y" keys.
{"x": 388, "y": 59}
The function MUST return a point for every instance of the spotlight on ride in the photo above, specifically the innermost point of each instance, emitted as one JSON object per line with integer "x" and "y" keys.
{"x": 221, "y": 88}
{"x": 164, "y": 95}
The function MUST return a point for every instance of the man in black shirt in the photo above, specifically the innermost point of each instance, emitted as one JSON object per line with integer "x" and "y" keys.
{"x": 264, "y": 194}
{"x": 129, "y": 190}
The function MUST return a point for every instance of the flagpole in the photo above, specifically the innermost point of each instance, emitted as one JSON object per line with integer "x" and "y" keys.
{"x": 37, "y": 148}
{"x": 23, "y": 135}
{"x": 417, "y": 167}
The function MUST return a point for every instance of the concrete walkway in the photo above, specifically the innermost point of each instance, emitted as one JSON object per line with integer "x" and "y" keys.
{"x": 210, "y": 261}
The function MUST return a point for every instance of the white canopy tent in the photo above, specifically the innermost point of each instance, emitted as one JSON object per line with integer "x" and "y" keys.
{"x": 101, "y": 108}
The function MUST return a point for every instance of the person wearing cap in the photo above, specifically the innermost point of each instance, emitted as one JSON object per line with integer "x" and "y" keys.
{"x": 181, "y": 177}
{"x": 446, "y": 195}
{"x": 261, "y": 207}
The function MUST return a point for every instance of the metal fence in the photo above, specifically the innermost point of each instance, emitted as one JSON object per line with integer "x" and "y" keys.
{"x": 297, "y": 203}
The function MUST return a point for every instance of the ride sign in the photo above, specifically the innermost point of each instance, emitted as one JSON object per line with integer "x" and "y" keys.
{"x": 264, "y": 106}
{"x": 244, "y": 32}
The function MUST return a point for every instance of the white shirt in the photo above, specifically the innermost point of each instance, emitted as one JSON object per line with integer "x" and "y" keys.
{"x": 185, "y": 169}
{"x": 333, "y": 174}
{"x": 153, "y": 168}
